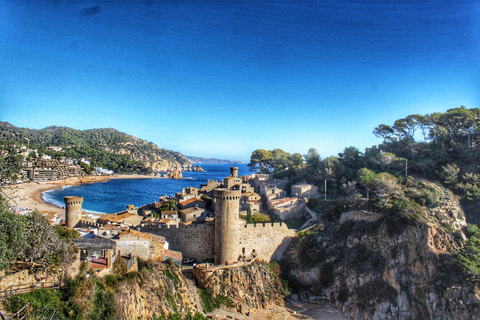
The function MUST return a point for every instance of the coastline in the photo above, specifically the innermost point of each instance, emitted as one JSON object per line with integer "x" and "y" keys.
{"x": 28, "y": 195}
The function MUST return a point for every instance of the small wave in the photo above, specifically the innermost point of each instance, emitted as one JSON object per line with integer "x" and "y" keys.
{"x": 86, "y": 210}
{"x": 189, "y": 178}
{"x": 51, "y": 200}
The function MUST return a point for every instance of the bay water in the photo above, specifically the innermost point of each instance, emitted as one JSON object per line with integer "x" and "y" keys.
{"x": 114, "y": 195}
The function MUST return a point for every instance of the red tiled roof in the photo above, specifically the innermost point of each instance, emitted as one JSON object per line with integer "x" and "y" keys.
{"x": 184, "y": 203}
{"x": 170, "y": 254}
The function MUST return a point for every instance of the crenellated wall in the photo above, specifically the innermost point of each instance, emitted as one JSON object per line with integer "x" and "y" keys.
{"x": 194, "y": 241}
{"x": 267, "y": 239}
{"x": 197, "y": 241}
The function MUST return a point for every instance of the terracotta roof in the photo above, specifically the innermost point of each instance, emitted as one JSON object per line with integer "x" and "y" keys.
{"x": 184, "y": 203}
{"x": 170, "y": 254}
{"x": 144, "y": 235}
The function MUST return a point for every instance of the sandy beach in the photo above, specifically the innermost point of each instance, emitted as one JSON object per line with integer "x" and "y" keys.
{"x": 29, "y": 195}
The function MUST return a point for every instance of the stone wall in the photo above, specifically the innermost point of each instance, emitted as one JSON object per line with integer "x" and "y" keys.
{"x": 138, "y": 247}
{"x": 267, "y": 239}
{"x": 23, "y": 276}
{"x": 194, "y": 241}
{"x": 296, "y": 211}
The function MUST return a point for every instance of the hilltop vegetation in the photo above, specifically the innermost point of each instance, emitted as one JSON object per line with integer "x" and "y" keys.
{"x": 393, "y": 242}
{"x": 108, "y": 148}
{"x": 437, "y": 146}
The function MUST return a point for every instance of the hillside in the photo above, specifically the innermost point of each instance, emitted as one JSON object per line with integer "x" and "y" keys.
{"x": 399, "y": 264}
{"x": 399, "y": 235}
{"x": 107, "y": 148}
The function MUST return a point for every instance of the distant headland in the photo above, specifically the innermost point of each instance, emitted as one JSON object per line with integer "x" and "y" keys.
{"x": 211, "y": 160}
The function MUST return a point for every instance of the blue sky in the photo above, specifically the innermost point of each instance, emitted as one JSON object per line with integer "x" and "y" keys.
{"x": 223, "y": 78}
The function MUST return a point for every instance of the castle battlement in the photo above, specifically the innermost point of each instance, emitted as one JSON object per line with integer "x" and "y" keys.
{"x": 272, "y": 225}
{"x": 73, "y": 200}
{"x": 158, "y": 226}
{"x": 89, "y": 224}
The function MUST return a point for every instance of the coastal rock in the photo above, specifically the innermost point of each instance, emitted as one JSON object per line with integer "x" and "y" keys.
{"x": 248, "y": 287}
{"x": 372, "y": 267}
{"x": 176, "y": 174}
{"x": 161, "y": 290}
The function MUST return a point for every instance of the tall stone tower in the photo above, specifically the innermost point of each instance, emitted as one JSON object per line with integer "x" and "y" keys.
{"x": 227, "y": 228}
{"x": 73, "y": 210}
{"x": 234, "y": 172}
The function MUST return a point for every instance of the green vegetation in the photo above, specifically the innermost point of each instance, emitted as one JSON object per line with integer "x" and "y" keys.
{"x": 257, "y": 218}
{"x": 276, "y": 271}
{"x": 105, "y": 147}
{"x": 85, "y": 298}
{"x": 65, "y": 233}
{"x": 469, "y": 256}
{"x": 177, "y": 316}
{"x": 447, "y": 151}
{"x": 30, "y": 238}
{"x": 209, "y": 302}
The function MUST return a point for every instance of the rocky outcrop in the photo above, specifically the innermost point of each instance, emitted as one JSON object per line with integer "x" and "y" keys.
{"x": 176, "y": 174}
{"x": 374, "y": 267}
{"x": 253, "y": 286}
{"x": 75, "y": 181}
{"x": 161, "y": 290}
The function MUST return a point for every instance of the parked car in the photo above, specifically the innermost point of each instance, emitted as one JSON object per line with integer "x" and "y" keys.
{"x": 189, "y": 260}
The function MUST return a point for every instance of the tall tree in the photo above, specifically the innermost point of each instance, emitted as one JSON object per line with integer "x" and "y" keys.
{"x": 383, "y": 131}
{"x": 313, "y": 159}
{"x": 280, "y": 160}
{"x": 261, "y": 160}
{"x": 367, "y": 178}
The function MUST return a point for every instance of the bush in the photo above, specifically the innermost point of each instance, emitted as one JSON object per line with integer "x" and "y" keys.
{"x": 104, "y": 306}
{"x": 44, "y": 303}
{"x": 257, "y": 218}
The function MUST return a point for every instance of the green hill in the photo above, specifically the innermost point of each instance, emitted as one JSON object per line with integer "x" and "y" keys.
{"x": 107, "y": 148}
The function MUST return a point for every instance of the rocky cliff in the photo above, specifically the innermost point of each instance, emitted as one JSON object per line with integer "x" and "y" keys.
{"x": 160, "y": 290}
{"x": 253, "y": 286}
{"x": 388, "y": 266}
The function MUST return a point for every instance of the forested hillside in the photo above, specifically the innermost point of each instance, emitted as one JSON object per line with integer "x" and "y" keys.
{"x": 107, "y": 148}
{"x": 437, "y": 146}
{"x": 393, "y": 241}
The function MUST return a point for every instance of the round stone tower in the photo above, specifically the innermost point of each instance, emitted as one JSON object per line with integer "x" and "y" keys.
{"x": 234, "y": 172}
{"x": 73, "y": 210}
{"x": 227, "y": 228}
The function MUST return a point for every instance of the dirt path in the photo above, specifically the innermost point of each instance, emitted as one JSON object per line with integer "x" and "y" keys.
{"x": 293, "y": 310}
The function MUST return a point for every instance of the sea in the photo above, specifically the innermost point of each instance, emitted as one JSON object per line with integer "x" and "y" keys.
{"x": 114, "y": 195}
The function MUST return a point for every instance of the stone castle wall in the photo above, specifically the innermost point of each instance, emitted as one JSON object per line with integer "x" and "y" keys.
{"x": 194, "y": 241}
{"x": 267, "y": 239}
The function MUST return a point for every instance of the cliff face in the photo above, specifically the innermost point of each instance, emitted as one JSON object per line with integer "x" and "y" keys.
{"x": 373, "y": 266}
{"x": 159, "y": 291}
{"x": 247, "y": 287}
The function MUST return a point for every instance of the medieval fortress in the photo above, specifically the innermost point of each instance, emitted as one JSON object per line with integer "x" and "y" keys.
{"x": 224, "y": 239}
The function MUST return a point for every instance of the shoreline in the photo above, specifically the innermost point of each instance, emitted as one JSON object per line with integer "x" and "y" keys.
{"x": 28, "y": 195}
